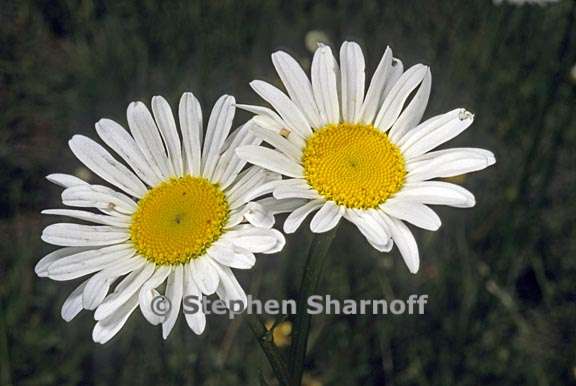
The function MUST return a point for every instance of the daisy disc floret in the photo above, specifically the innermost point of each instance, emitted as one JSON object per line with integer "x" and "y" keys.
{"x": 356, "y": 166}
{"x": 179, "y": 220}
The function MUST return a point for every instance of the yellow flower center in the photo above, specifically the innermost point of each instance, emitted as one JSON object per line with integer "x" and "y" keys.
{"x": 354, "y": 165}
{"x": 178, "y": 220}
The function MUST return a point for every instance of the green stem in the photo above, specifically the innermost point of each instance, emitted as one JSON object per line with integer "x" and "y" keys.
{"x": 264, "y": 338}
{"x": 310, "y": 279}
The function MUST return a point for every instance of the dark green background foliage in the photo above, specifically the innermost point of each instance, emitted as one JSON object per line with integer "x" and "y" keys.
{"x": 501, "y": 276}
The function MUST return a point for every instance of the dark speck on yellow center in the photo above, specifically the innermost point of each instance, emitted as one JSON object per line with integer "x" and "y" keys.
{"x": 178, "y": 220}
{"x": 355, "y": 165}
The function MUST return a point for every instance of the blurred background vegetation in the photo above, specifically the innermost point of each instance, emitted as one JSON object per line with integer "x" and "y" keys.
{"x": 501, "y": 276}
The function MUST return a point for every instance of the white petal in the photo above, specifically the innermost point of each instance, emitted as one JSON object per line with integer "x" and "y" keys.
{"x": 374, "y": 229}
{"x": 261, "y": 213}
{"x": 222, "y": 249}
{"x": 382, "y": 244}
{"x": 44, "y": 263}
{"x": 449, "y": 163}
{"x": 235, "y": 136}
{"x": 289, "y": 112}
{"x": 219, "y": 125}
{"x": 413, "y": 212}
{"x": 428, "y": 125}
{"x": 259, "y": 216}
{"x": 204, "y": 275}
{"x": 97, "y": 159}
{"x": 434, "y": 132}
{"x": 325, "y": 74}
{"x": 470, "y": 151}
{"x": 279, "y": 142}
{"x": 257, "y": 240}
{"x": 274, "y": 206}
{"x": 196, "y": 321}
{"x": 296, "y": 218}
{"x": 394, "y": 102}
{"x": 123, "y": 266}
{"x": 124, "y": 145}
{"x": 174, "y": 292}
{"x": 190, "y": 116}
{"x": 229, "y": 290}
{"x": 242, "y": 259}
{"x": 327, "y": 217}
{"x": 90, "y": 261}
{"x": 230, "y": 165}
{"x": 231, "y": 256}
{"x": 283, "y": 131}
{"x": 129, "y": 286}
{"x": 353, "y": 78}
{"x": 294, "y": 188}
{"x": 96, "y": 196}
{"x": 65, "y": 180}
{"x": 254, "y": 213}
{"x": 395, "y": 74}
{"x": 73, "y": 303}
{"x": 437, "y": 193}
{"x": 386, "y": 248}
{"x": 297, "y": 85}
{"x": 374, "y": 96}
{"x": 280, "y": 242}
{"x": 147, "y": 136}
{"x": 76, "y": 235}
{"x": 89, "y": 216}
{"x": 105, "y": 329}
{"x": 259, "y": 191}
{"x": 245, "y": 181}
{"x": 167, "y": 125}
{"x": 405, "y": 242}
{"x": 271, "y": 160}
{"x": 148, "y": 293}
{"x": 243, "y": 189}
{"x": 413, "y": 113}
{"x": 266, "y": 186}
{"x": 97, "y": 288}
{"x": 266, "y": 114}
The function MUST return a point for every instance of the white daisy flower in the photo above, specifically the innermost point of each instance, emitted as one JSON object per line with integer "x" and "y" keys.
{"x": 185, "y": 216}
{"x": 361, "y": 155}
